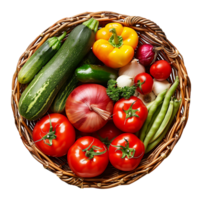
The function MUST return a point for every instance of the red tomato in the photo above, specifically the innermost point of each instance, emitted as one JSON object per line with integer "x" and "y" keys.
{"x": 126, "y": 152}
{"x": 129, "y": 114}
{"x": 88, "y": 157}
{"x": 80, "y": 134}
{"x": 145, "y": 83}
{"x": 107, "y": 133}
{"x": 54, "y": 135}
{"x": 161, "y": 70}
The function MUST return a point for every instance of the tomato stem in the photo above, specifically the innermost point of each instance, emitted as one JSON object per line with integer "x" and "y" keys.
{"x": 106, "y": 141}
{"x": 126, "y": 151}
{"x": 49, "y": 136}
{"x": 131, "y": 112}
{"x": 90, "y": 153}
{"x": 139, "y": 84}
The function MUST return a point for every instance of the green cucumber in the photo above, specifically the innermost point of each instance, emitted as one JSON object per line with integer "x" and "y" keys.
{"x": 58, "y": 105}
{"x": 42, "y": 55}
{"x": 40, "y": 93}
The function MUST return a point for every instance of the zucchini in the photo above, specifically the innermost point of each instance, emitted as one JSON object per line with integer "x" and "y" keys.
{"x": 58, "y": 105}
{"x": 90, "y": 58}
{"x": 42, "y": 55}
{"x": 40, "y": 93}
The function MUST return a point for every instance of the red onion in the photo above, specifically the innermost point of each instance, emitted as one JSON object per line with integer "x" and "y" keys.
{"x": 145, "y": 54}
{"x": 88, "y": 107}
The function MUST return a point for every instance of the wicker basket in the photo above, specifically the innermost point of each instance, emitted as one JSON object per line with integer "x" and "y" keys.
{"x": 148, "y": 32}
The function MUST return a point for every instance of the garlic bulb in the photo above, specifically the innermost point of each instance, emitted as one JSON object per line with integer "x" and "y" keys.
{"x": 124, "y": 80}
{"x": 132, "y": 69}
{"x": 159, "y": 86}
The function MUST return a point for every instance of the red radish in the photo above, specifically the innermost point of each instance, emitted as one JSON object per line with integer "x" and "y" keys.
{"x": 145, "y": 54}
{"x": 88, "y": 107}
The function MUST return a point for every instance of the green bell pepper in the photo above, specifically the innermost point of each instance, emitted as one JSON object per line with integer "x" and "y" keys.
{"x": 89, "y": 73}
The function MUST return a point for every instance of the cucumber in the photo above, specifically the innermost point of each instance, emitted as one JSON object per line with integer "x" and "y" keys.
{"x": 58, "y": 105}
{"x": 40, "y": 93}
{"x": 42, "y": 55}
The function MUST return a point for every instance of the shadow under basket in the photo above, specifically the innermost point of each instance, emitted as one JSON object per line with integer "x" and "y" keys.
{"x": 148, "y": 32}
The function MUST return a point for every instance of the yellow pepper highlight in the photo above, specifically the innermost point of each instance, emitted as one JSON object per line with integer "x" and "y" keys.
{"x": 115, "y": 45}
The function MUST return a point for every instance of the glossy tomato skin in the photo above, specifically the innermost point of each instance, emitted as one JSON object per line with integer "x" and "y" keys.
{"x": 64, "y": 131}
{"x": 131, "y": 124}
{"x": 115, "y": 156}
{"x": 161, "y": 70}
{"x": 147, "y": 81}
{"x": 109, "y": 131}
{"x": 79, "y": 162}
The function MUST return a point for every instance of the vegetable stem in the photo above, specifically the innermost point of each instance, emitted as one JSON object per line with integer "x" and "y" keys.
{"x": 62, "y": 36}
{"x": 90, "y": 153}
{"x": 92, "y": 24}
{"x": 116, "y": 40}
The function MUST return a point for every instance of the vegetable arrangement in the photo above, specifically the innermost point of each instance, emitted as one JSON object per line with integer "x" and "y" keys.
{"x": 99, "y": 96}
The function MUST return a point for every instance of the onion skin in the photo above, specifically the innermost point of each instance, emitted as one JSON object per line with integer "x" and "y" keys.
{"x": 79, "y": 106}
{"x": 145, "y": 54}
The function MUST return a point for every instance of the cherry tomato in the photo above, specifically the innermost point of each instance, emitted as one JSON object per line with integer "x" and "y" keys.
{"x": 107, "y": 133}
{"x": 161, "y": 70}
{"x": 145, "y": 83}
{"x": 54, "y": 135}
{"x": 126, "y": 152}
{"x": 129, "y": 114}
{"x": 88, "y": 157}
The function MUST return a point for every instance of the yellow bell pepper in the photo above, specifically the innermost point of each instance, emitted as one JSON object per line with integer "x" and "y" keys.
{"x": 115, "y": 45}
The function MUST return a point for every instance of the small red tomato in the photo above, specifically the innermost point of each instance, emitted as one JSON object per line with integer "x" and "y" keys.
{"x": 126, "y": 152}
{"x": 54, "y": 135}
{"x": 161, "y": 70}
{"x": 107, "y": 133}
{"x": 129, "y": 114}
{"x": 144, "y": 82}
{"x": 88, "y": 157}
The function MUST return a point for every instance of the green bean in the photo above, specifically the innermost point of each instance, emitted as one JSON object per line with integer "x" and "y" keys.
{"x": 159, "y": 139}
{"x": 152, "y": 110}
{"x": 149, "y": 105}
{"x": 154, "y": 117}
{"x": 164, "y": 122}
{"x": 162, "y": 113}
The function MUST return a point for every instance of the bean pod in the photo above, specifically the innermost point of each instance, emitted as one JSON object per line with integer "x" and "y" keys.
{"x": 152, "y": 145}
{"x": 162, "y": 113}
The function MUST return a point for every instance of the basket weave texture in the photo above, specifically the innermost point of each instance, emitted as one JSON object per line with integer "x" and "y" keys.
{"x": 148, "y": 32}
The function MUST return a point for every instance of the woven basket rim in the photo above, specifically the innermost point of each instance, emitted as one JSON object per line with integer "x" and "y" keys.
{"x": 149, "y": 32}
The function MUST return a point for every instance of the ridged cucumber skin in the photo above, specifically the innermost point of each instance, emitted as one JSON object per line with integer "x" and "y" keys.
{"x": 58, "y": 105}
{"x": 42, "y": 55}
{"x": 40, "y": 93}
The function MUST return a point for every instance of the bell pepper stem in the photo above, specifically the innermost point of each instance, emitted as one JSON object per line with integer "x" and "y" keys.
{"x": 113, "y": 31}
{"x": 115, "y": 40}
